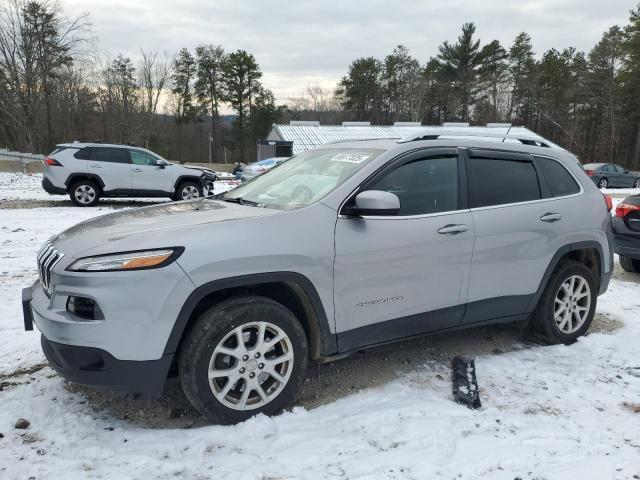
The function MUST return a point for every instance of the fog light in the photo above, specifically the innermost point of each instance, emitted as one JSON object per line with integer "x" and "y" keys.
{"x": 84, "y": 307}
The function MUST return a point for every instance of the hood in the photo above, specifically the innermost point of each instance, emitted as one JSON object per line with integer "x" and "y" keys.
{"x": 202, "y": 169}
{"x": 164, "y": 221}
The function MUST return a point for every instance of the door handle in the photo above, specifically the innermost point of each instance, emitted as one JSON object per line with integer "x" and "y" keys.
{"x": 93, "y": 165}
{"x": 137, "y": 169}
{"x": 551, "y": 217}
{"x": 453, "y": 229}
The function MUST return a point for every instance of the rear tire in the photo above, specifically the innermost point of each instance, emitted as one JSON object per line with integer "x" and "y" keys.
{"x": 603, "y": 183}
{"x": 636, "y": 184}
{"x": 216, "y": 368}
{"x": 630, "y": 264}
{"x": 188, "y": 191}
{"x": 567, "y": 306}
{"x": 84, "y": 193}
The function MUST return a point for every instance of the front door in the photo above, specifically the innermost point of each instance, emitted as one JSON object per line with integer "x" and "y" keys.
{"x": 402, "y": 275}
{"x": 147, "y": 175}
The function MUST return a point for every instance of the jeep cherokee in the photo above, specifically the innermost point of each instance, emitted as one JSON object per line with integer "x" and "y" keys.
{"x": 340, "y": 248}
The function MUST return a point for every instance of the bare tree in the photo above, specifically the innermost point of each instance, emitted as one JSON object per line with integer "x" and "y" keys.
{"x": 36, "y": 42}
{"x": 154, "y": 74}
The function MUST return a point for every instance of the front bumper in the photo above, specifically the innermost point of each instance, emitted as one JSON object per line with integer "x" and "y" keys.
{"x": 96, "y": 367}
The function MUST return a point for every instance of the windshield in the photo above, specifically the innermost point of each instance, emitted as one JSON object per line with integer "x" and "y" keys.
{"x": 304, "y": 179}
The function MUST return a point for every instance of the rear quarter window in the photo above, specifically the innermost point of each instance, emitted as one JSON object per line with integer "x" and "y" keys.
{"x": 560, "y": 181}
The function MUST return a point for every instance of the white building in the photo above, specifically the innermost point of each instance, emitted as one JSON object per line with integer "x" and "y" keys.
{"x": 298, "y": 136}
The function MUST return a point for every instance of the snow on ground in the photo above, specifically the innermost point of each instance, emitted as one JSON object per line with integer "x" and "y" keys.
{"x": 559, "y": 412}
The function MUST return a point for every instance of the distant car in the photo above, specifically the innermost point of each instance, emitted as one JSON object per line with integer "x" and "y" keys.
{"x": 610, "y": 175}
{"x": 88, "y": 171}
{"x": 626, "y": 233}
{"x": 257, "y": 168}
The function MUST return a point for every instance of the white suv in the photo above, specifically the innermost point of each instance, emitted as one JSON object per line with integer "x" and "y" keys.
{"x": 88, "y": 171}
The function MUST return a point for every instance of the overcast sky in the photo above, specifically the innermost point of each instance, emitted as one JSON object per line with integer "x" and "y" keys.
{"x": 300, "y": 42}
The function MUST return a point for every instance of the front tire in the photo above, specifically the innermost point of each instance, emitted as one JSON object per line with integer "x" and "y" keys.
{"x": 630, "y": 264}
{"x": 243, "y": 356}
{"x": 84, "y": 193}
{"x": 188, "y": 191}
{"x": 637, "y": 183}
{"x": 603, "y": 183}
{"x": 567, "y": 306}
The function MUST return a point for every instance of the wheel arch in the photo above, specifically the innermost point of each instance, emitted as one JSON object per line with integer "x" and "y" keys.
{"x": 588, "y": 253}
{"x": 293, "y": 290}
{"x": 185, "y": 178}
{"x": 71, "y": 179}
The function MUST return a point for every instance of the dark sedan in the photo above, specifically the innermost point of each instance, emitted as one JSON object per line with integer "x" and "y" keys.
{"x": 626, "y": 233}
{"x": 610, "y": 175}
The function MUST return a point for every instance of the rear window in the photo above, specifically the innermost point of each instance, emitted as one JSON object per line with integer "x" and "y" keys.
{"x": 104, "y": 154}
{"x": 502, "y": 181}
{"x": 560, "y": 181}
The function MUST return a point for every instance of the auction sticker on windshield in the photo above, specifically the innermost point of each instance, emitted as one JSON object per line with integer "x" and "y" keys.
{"x": 349, "y": 157}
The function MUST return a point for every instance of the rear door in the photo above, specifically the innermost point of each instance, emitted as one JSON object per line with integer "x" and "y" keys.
{"x": 396, "y": 276}
{"x": 613, "y": 176}
{"x": 519, "y": 227}
{"x": 147, "y": 175}
{"x": 111, "y": 164}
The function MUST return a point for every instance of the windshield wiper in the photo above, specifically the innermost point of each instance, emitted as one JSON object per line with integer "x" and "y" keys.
{"x": 241, "y": 201}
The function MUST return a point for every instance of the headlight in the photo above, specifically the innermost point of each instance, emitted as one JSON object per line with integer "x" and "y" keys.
{"x": 138, "y": 260}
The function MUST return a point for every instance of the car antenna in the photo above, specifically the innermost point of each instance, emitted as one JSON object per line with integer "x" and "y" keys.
{"x": 508, "y": 130}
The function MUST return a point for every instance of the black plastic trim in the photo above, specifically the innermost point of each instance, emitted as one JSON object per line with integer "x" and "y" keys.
{"x": 328, "y": 339}
{"x": 132, "y": 192}
{"x": 177, "y": 251}
{"x": 83, "y": 176}
{"x": 400, "y": 328}
{"x": 27, "y": 313}
{"x": 93, "y": 366}
{"x": 562, "y": 251}
{"x": 51, "y": 188}
{"x": 190, "y": 178}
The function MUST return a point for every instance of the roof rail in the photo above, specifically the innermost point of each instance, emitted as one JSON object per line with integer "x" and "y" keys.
{"x": 435, "y": 134}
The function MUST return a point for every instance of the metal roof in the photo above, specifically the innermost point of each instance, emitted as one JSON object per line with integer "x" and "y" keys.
{"x": 306, "y": 136}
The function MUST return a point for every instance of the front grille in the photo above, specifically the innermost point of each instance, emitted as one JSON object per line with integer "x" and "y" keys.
{"x": 48, "y": 256}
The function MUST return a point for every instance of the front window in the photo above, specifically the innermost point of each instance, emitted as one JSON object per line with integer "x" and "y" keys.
{"x": 304, "y": 179}
{"x": 138, "y": 157}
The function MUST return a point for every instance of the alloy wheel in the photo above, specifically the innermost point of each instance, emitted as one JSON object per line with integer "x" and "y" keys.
{"x": 190, "y": 192}
{"x": 251, "y": 365}
{"x": 572, "y": 304}
{"x": 603, "y": 183}
{"x": 84, "y": 194}
{"x": 637, "y": 184}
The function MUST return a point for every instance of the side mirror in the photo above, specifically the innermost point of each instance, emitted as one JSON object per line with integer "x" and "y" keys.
{"x": 161, "y": 164}
{"x": 377, "y": 202}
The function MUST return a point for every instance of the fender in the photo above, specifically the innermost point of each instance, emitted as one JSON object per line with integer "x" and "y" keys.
{"x": 562, "y": 251}
{"x": 190, "y": 178}
{"x": 328, "y": 339}
{"x": 78, "y": 176}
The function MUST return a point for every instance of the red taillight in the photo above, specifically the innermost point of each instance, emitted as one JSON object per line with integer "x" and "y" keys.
{"x": 623, "y": 209}
{"x": 590, "y": 173}
{"x": 51, "y": 162}
{"x": 608, "y": 201}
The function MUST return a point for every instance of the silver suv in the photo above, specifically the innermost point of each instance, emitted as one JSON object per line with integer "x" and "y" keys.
{"x": 340, "y": 248}
{"x": 88, "y": 171}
